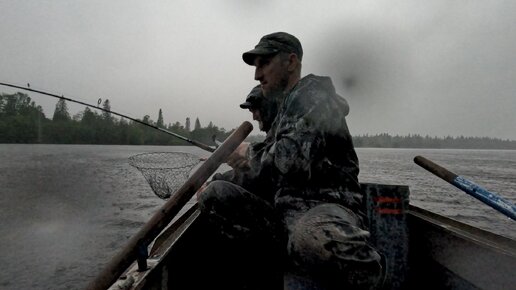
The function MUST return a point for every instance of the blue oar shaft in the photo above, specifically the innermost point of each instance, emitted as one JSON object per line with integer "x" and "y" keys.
{"x": 490, "y": 198}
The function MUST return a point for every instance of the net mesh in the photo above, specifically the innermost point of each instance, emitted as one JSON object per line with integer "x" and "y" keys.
{"x": 165, "y": 172}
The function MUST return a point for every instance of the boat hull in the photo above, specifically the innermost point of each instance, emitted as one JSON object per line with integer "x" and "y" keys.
{"x": 423, "y": 250}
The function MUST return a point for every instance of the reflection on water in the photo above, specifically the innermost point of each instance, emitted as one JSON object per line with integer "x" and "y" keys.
{"x": 67, "y": 209}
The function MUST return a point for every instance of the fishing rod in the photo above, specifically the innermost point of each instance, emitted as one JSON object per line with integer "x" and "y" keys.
{"x": 193, "y": 142}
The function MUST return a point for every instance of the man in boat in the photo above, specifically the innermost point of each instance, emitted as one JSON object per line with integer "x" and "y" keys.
{"x": 247, "y": 257}
{"x": 308, "y": 207}
{"x": 264, "y": 111}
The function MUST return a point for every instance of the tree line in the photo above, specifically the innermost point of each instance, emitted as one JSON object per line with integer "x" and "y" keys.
{"x": 22, "y": 121}
{"x": 417, "y": 141}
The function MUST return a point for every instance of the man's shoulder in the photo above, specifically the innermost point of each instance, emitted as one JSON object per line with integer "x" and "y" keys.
{"x": 319, "y": 82}
{"x": 310, "y": 90}
{"x": 313, "y": 86}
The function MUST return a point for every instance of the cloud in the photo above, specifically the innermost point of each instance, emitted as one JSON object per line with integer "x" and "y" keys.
{"x": 437, "y": 68}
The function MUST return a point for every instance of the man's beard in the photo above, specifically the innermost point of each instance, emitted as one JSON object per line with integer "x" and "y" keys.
{"x": 279, "y": 89}
{"x": 261, "y": 125}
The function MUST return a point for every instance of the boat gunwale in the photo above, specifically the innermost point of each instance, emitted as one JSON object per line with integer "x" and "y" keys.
{"x": 164, "y": 243}
{"x": 465, "y": 231}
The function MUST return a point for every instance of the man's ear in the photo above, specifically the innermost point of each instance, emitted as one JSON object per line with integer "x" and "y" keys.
{"x": 293, "y": 61}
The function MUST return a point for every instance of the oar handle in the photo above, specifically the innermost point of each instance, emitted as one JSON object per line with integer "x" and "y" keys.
{"x": 435, "y": 169}
{"x": 162, "y": 217}
{"x": 490, "y": 198}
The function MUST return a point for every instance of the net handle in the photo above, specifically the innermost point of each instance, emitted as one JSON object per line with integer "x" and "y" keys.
{"x": 168, "y": 211}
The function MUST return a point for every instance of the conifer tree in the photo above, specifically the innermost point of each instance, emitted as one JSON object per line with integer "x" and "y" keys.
{"x": 197, "y": 124}
{"x": 187, "y": 125}
{"x": 61, "y": 112}
{"x": 159, "y": 123}
{"x": 88, "y": 117}
{"x": 106, "y": 106}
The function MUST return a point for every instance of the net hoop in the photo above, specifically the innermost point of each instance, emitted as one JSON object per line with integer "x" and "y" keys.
{"x": 165, "y": 172}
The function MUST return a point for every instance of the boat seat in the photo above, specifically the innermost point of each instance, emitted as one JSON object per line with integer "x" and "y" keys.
{"x": 387, "y": 207}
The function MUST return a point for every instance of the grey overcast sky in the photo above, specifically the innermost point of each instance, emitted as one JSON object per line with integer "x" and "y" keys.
{"x": 428, "y": 67}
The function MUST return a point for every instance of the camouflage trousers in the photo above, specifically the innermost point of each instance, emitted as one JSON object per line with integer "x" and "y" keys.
{"x": 325, "y": 243}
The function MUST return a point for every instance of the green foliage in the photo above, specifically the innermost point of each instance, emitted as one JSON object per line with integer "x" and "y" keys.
{"x": 197, "y": 124}
{"x": 159, "y": 123}
{"x": 106, "y": 115}
{"x": 22, "y": 121}
{"x": 61, "y": 112}
{"x": 187, "y": 125}
{"x": 208, "y": 134}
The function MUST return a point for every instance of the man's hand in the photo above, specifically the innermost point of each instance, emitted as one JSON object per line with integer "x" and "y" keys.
{"x": 238, "y": 159}
{"x": 241, "y": 164}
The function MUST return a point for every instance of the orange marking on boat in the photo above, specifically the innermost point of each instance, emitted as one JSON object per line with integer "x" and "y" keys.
{"x": 385, "y": 199}
{"x": 388, "y": 210}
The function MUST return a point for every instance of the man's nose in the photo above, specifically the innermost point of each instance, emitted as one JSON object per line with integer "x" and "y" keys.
{"x": 258, "y": 74}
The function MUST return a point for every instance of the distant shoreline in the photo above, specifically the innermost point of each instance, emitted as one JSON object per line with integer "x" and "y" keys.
{"x": 189, "y": 145}
{"x": 415, "y": 141}
{"x": 23, "y": 122}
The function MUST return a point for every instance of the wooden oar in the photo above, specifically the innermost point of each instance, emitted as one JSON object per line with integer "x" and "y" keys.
{"x": 139, "y": 243}
{"x": 487, "y": 197}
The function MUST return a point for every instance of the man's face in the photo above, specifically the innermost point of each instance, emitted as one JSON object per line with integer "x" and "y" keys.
{"x": 272, "y": 73}
{"x": 257, "y": 116}
{"x": 265, "y": 115}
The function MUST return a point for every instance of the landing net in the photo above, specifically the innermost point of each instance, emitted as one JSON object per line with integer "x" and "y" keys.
{"x": 165, "y": 172}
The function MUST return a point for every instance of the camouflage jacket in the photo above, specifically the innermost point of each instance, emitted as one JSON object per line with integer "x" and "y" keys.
{"x": 251, "y": 179}
{"x": 308, "y": 156}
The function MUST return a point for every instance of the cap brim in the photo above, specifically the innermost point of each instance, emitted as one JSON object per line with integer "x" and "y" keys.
{"x": 249, "y": 56}
{"x": 246, "y": 105}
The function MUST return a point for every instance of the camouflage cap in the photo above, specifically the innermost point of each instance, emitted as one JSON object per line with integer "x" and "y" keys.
{"x": 254, "y": 99}
{"x": 272, "y": 44}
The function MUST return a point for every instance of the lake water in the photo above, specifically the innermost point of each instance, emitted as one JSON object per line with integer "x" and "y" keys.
{"x": 65, "y": 210}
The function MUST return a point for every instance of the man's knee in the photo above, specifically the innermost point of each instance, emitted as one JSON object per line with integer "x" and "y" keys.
{"x": 217, "y": 191}
{"x": 323, "y": 228}
{"x": 328, "y": 241}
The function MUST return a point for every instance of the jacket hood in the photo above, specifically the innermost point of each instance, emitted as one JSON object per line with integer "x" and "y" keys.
{"x": 325, "y": 83}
